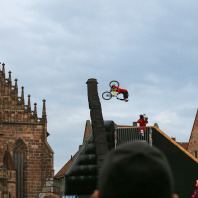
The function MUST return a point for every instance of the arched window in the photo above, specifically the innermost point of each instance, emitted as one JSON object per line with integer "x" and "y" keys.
{"x": 19, "y": 160}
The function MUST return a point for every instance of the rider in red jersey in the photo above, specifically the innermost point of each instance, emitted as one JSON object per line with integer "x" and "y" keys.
{"x": 123, "y": 91}
{"x": 143, "y": 121}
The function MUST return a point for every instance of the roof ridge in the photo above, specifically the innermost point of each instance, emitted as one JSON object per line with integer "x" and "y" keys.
{"x": 176, "y": 144}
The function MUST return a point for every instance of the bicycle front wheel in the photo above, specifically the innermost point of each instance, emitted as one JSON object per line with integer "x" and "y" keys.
{"x": 107, "y": 95}
{"x": 114, "y": 82}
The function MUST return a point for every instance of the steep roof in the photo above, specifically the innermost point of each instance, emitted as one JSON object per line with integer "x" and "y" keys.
{"x": 64, "y": 169}
{"x": 183, "y": 144}
{"x": 8, "y": 162}
{"x": 193, "y": 136}
{"x": 195, "y": 124}
{"x": 88, "y": 129}
{"x": 176, "y": 144}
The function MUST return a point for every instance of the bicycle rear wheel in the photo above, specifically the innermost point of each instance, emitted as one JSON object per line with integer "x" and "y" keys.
{"x": 114, "y": 82}
{"x": 107, "y": 95}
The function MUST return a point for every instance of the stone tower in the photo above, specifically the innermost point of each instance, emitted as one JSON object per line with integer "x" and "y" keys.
{"x": 25, "y": 134}
{"x": 193, "y": 141}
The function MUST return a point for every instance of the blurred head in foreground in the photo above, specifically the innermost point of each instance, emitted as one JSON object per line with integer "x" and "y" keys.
{"x": 135, "y": 170}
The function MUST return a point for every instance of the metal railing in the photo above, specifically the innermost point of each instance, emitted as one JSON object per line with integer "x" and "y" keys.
{"x": 127, "y": 135}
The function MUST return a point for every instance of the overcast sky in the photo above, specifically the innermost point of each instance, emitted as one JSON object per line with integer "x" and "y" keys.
{"x": 54, "y": 46}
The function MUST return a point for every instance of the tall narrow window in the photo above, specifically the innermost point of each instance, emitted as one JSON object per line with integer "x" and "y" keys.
{"x": 195, "y": 154}
{"x": 19, "y": 160}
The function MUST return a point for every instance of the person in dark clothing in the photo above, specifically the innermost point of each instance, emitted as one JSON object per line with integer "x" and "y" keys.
{"x": 135, "y": 170}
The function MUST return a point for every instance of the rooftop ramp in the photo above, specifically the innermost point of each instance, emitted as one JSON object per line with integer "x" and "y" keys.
{"x": 81, "y": 176}
{"x": 184, "y": 165}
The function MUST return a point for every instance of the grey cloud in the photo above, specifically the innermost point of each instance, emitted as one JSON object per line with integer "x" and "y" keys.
{"x": 150, "y": 47}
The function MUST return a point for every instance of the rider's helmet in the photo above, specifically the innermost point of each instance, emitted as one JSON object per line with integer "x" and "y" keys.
{"x": 141, "y": 116}
{"x": 145, "y": 117}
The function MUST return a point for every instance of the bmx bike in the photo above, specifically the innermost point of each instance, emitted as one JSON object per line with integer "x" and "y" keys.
{"x": 107, "y": 95}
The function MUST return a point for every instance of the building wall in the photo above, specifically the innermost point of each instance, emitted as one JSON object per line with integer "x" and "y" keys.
{"x": 38, "y": 158}
{"x": 24, "y": 133}
{"x": 193, "y": 141}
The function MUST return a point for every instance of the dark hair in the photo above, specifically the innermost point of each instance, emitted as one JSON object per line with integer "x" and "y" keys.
{"x": 141, "y": 117}
{"x": 135, "y": 170}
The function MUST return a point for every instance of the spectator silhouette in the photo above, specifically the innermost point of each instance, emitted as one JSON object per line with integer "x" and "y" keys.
{"x": 135, "y": 170}
{"x": 195, "y": 194}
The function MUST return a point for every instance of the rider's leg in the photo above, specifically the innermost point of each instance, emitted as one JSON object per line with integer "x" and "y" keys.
{"x": 142, "y": 132}
{"x": 119, "y": 98}
{"x": 125, "y": 95}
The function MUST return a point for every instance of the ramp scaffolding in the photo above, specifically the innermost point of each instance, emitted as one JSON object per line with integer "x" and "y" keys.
{"x": 125, "y": 135}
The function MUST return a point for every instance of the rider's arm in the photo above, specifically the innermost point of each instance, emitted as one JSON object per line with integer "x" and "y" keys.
{"x": 140, "y": 121}
{"x": 117, "y": 89}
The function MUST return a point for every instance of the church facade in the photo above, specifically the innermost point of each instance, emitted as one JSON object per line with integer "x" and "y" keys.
{"x": 26, "y": 158}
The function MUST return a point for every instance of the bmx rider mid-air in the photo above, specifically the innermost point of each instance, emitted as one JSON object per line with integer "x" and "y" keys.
{"x": 122, "y": 91}
{"x": 115, "y": 90}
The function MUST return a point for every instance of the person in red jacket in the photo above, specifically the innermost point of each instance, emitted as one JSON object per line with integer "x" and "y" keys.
{"x": 142, "y": 122}
{"x": 122, "y": 91}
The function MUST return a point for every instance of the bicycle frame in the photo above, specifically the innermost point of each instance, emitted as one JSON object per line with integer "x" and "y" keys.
{"x": 107, "y": 95}
{"x": 114, "y": 92}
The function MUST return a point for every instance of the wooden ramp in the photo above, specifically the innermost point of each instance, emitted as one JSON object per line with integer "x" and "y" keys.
{"x": 184, "y": 165}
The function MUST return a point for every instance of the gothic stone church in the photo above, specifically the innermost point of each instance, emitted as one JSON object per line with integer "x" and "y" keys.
{"x": 26, "y": 158}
